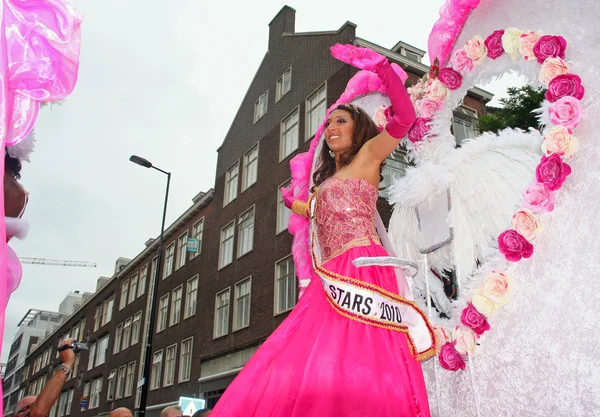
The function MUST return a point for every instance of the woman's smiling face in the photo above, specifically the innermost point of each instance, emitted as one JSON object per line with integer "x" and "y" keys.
{"x": 339, "y": 131}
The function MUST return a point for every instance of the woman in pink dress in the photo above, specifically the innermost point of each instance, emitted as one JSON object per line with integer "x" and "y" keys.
{"x": 351, "y": 345}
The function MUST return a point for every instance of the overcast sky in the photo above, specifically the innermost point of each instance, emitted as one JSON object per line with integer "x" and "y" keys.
{"x": 163, "y": 82}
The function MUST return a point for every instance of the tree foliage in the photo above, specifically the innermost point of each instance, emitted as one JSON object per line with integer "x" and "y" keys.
{"x": 516, "y": 111}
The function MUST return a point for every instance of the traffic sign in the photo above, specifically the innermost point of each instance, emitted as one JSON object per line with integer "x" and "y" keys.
{"x": 191, "y": 405}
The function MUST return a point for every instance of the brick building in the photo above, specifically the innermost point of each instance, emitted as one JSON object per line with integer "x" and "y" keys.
{"x": 219, "y": 302}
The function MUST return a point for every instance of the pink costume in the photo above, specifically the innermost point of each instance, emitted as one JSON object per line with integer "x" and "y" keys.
{"x": 319, "y": 361}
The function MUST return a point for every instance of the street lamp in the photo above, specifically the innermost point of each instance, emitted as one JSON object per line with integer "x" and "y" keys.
{"x": 152, "y": 313}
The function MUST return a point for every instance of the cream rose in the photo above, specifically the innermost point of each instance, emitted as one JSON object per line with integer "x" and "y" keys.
{"x": 528, "y": 41}
{"x": 511, "y": 40}
{"x": 464, "y": 340}
{"x": 525, "y": 223}
{"x": 559, "y": 140}
{"x": 497, "y": 288}
{"x": 436, "y": 90}
{"x": 552, "y": 68}
{"x": 441, "y": 338}
{"x": 485, "y": 306}
{"x": 476, "y": 49}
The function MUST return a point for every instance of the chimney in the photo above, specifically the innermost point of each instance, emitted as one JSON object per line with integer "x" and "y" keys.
{"x": 283, "y": 22}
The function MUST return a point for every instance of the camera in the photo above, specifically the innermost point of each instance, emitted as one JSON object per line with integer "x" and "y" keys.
{"x": 76, "y": 346}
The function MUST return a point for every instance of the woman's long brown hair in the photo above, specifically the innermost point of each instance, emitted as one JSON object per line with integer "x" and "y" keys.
{"x": 364, "y": 130}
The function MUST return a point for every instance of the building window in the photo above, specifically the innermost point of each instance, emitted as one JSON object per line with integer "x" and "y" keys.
{"x": 250, "y": 171}
{"x": 231, "y": 184}
{"x": 284, "y": 84}
{"x": 226, "y": 246}
{"x": 222, "y": 313}
{"x": 133, "y": 288}
{"x": 156, "y": 370}
{"x": 82, "y": 328}
{"x": 126, "y": 334}
{"x": 86, "y": 393}
{"x": 316, "y": 107}
{"x": 98, "y": 317}
{"x": 169, "y": 258}
{"x": 135, "y": 328}
{"x": 107, "y": 309}
{"x": 289, "y": 135}
{"x": 76, "y": 365}
{"x": 283, "y": 213}
{"x": 176, "y": 306}
{"x": 191, "y": 295}
{"x": 120, "y": 382}
{"x": 285, "y": 285}
{"x": 69, "y": 401}
{"x": 197, "y": 231}
{"x": 182, "y": 250}
{"x": 241, "y": 307}
{"x": 464, "y": 124}
{"x": 110, "y": 391}
{"x": 118, "y": 338}
{"x": 171, "y": 355}
{"x": 163, "y": 308}
{"x": 62, "y": 404}
{"x": 101, "y": 351}
{"x": 395, "y": 167}
{"x": 124, "y": 291}
{"x": 185, "y": 361}
{"x": 92, "y": 356}
{"x": 95, "y": 394}
{"x": 143, "y": 276}
{"x": 129, "y": 379}
{"x": 246, "y": 232}
{"x": 260, "y": 106}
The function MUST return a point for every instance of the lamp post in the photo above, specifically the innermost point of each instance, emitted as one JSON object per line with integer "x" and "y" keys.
{"x": 156, "y": 279}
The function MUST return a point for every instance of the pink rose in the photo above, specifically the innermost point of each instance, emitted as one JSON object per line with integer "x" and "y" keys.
{"x": 550, "y": 47}
{"x": 538, "y": 198}
{"x": 552, "y": 171}
{"x": 450, "y": 359}
{"x": 417, "y": 91}
{"x": 450, "y": 78}
{"x": 497, "y": 288}
{"x": 429, "y": 108}
{"x": 419, "y": 129}
{"x": 380, "y": 119}
{"x": 560, "y": 141}
{"x": 514, "y": 246}
{"x": 461, "y": 62}
{"x": 493, "y": 43}
{"x": 476, "y": 50}
{"x": 566, "y": 111}
{"x": 436, "y": 90}
{"x": 528, "y": 41}
{"x": 472, "y": 318}
{"x": 525, "y": 223}
{"x": 565, "y": 85}
{"x": 552, "y": 68}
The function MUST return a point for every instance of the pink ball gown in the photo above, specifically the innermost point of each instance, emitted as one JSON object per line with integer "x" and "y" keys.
{"x": 319, "y": 362}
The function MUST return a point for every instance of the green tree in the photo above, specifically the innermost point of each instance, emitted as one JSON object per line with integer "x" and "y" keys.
{"x": 516, "y": 111}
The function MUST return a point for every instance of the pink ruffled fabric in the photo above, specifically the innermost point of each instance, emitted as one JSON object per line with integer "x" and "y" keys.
{"x": 453, "y": 16}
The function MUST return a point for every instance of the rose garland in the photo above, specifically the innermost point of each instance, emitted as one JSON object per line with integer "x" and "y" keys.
{"x": 562, "y": 101}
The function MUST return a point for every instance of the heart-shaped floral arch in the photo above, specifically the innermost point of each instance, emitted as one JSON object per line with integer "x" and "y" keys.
{"x": 434, "y": 97}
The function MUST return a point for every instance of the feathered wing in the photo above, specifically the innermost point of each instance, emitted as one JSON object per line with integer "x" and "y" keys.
{"x": 485, "y": 179}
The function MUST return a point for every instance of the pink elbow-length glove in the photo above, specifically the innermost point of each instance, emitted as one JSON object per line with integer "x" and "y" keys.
{"x": 401, "y": 114}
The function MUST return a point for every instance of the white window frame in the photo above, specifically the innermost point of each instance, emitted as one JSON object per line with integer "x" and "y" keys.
{"x": 126, "y": 342}
{"x": 92, "y": 356}
{"x": 232, "y": 179}
{"x": 129, "y": 379}
{"x": 133, "y": 286}
{"x": 143, "y": 280}
{"x": 120, "y": 386}
{"x": 393, "y": 168}
{"x": 185, "y": 374}
{"x": 218, "y": 308}
{"x": 118, "y": 339}
{"x": 308, "y": 111}
{"x": 181, "y": 257}
{"x": 246, "y": 230}
{"x": 236, "y": 304}
{"x": 112, "y": 385}
{"x": 62, "y": 404}
{"x": 281, "y": 85}
{"x": 169, "y": 260}
{"x": 136, "y": 327}
{"x": 156, "y": 370}
{"x": 282, "y": 211}
{"x": 107, "y": 308}
{"x": 124, "y": 293}
{"x": 101, "y": 348}
{"x": 222, "y": 261}
{"x": 97, "y": 317}
{"x": 293, "y": 130}
{"x": 191, "y": 297}
{"x": 258, "y": 109}
{"x": 276, "y": 307}
{"x": 170, "y": 365}
{"x": 86, "y": 393}
{"x": 250, "y": 168}
{"x": 96, "y": 390}
{"x": 176, "y": 304}
{"x": 198, "y": 231}
{"x": 69, "y": 401}
{"x": 161, "y": 323}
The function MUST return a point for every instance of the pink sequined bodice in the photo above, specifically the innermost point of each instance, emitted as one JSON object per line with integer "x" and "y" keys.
{"x": 345, "y": 215}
